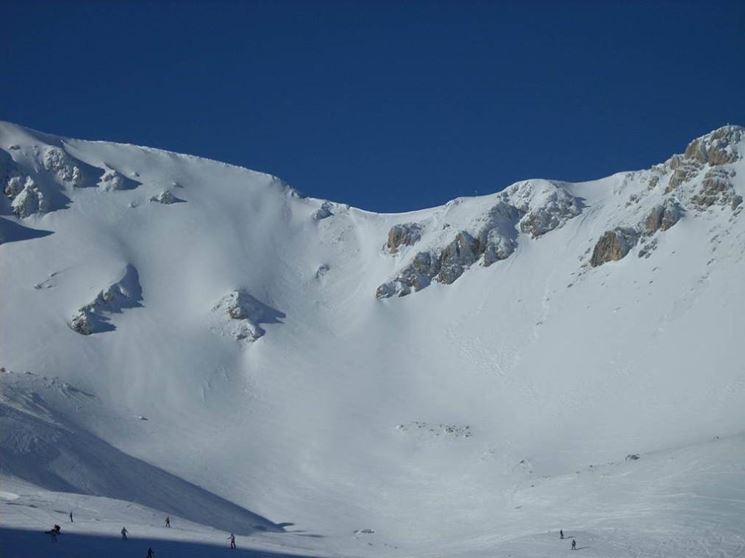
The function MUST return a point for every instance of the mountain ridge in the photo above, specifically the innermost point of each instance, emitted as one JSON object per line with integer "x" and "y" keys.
{"x": 243, "y": 324}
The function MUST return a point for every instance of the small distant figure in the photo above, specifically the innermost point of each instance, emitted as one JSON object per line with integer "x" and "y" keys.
{"x": 561, "y": 533}
{"x": 574, "y": 544}
{"x": 150, "y": 553}
{"x": 168, "y": 521}
{"x": 124, "y": 533}
{"x": 71, "y": 521}
{"x": 54, "y": 531}
{"x": 231, "y": 538}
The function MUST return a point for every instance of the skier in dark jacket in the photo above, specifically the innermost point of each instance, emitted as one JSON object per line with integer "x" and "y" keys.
{"x": 71, "y": 521}
{"x": 231, "y": 538}
{"x": 168, "y": 521}
{"x": 124, "y": 533}
{"x": 54, "y": 531}
{"x": 561, "y": 533}
{"x": 150, "y": 553}
{"x": 574, "y": 544}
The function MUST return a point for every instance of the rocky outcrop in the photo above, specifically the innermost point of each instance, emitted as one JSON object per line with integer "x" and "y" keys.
{"x": 95, "y": 316}
{"x": 554, "y": 212}
{"x": 716, "y": 189}
{"x": 461, "y": 253}
{"x": 63, "y": 167}
{"x": 240, "y": 315}
{"x": 662, "y": 217}
{"x": 323, "y": 212}
{"x": 165, "y": 197}
{"x": 28, "y": 200}
{"x": 498, "y": 235}
{"x": 111, "y": 180}
{"x": 614, "y": 245}
{"x": 24, "y": 195}
{"x": 683, "y": 170}
{"x": 405, "y": 234}
{"x": 533, "y": 207}
{"x": 719, "y": 147}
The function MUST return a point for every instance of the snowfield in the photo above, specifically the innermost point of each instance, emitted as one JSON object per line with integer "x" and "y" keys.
{"x": 188, "y": 338}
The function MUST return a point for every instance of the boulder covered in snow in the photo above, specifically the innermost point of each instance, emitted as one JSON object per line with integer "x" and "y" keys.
{"x": 240, "y": 315}
{"x": 95, "y": 316}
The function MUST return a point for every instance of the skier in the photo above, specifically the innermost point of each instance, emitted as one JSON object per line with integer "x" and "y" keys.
{"x": 561, "y": 533}
{"x": 574, "y": 544}
{"x": 54, "y": 531}
{"x": 150, "y": 553}
{"x": 231, "y": 538}
{"x": 168, "y": 521}
{"x": 71, "y": 521}
{"x": 124, "y": 533}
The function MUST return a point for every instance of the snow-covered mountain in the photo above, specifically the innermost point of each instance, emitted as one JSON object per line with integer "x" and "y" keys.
{"x": 202, "y": 340}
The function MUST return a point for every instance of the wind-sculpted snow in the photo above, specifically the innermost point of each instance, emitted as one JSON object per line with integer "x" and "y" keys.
{"x": 95, "y": 317}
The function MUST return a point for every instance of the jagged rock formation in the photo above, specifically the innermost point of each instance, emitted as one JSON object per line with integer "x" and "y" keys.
{"x": 94, "y": 317}
{"x": 532, "y": 207}
{"x": 662, "y": 217}
{"x": 716, "y": 189}
{"x": 244, "y": 315}
{"x": 614, "y": 245}
{"x": 544, "y": 210}
{"x": 404, "y": 234}
{"x": 687, "y": 189}
{"x": 717, "y": 147}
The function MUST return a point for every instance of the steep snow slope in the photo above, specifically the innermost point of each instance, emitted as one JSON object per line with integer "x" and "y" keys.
{"x": 318, "y": 364}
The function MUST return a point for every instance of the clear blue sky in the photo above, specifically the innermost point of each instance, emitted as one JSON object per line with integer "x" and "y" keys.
{"x": 388, "y": 106}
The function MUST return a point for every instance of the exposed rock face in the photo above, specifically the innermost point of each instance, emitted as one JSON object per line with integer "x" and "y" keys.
{"x": 614, "y": 245}
{"x": 662, "y": 217}
{"x": 717, "y": 148}
{"x": 414, "y": 277}
{"x": 463, "y": 251}
{"x": 95, "y": 316}
{"x": 323, "y": 212}
{"x": 716, "y": 189}
{"x": 498, "y": 236}
{"x": 533, "y": 207}
{"x": 405, "y": 234}
{"x": 552, "y": 214}
{"x": 245, "y": 314}
{"x": 683, "y": 171}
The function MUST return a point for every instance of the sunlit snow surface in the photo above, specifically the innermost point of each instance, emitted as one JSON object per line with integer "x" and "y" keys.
{"x": 468, "y": 419}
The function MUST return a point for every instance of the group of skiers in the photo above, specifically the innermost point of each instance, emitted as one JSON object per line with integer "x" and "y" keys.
{"x": 57, "y": 530}
{"x": 574, "y": 541}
